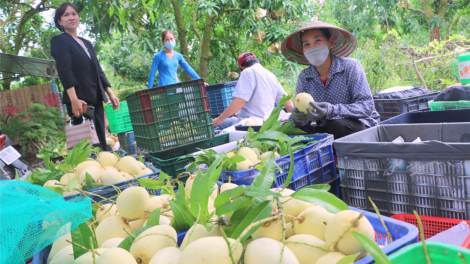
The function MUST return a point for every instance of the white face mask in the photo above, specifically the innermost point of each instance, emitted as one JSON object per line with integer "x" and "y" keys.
{"x": 317, "y": 55}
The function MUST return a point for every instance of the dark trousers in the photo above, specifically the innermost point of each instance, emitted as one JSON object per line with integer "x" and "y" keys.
{"x": 98, "y": 120}
{"x": 338, "y": 128}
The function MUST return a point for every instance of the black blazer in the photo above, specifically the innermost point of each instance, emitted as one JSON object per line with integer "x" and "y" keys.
{"x": 77, "y": 70}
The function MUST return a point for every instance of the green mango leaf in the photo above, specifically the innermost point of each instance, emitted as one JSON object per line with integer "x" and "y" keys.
{"x": 272, "y": 135}
{"x": 72, "y": 184}
{"x": 291, "y": 171}
{"x": 370, "y": 246}
{"x": 127, "y": 242}
{"x": 227, "y": 195}
{"x": 348, "y": 259}
{"x": 90, "y": 183}
{"x": 266, "y": 175}
{"x": 180, "y": 221}
{"x": 272, "y": 121}
{"x": 203, "y": 186}
{"x": 257, "y": 191}
{"x": 236, "y": 159}
{"x": 151, "y": 184}
{"x": 184, "y": 218}
{"x": 324, "y": 199}
{"x": 237, "y": 203}
{"x": 154, "y": 217}
{"x": 81, "y": 236}
{"x": 289, "y": 129}
{"x": 55, "y": 189}
{"x": 259, "y": 212}
{"x": 297, "y": 139}
{"x": 321, "y": 187}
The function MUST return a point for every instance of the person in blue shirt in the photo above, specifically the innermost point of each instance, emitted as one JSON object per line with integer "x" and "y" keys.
{"x": 343, "y": 100}
{"x": 166, "y": 62}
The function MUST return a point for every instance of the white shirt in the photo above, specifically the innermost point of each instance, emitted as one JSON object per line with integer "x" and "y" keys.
{"x": 260, "y": 89}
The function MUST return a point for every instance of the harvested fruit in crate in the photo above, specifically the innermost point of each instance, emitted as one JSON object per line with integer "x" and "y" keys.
{"x": 154, "y": 222}
{"x": 107, "y": 169}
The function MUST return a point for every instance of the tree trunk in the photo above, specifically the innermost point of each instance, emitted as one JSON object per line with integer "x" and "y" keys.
{"x": 435, "y": 34}
{"x": 205, "y": 44}
{"x": 181, "y": 35}
{"x": 6, "y": 83}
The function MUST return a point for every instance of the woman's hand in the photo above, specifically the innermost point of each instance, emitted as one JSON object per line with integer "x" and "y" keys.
{"x": 114, "y": 100}
{"x": 77, "y": 107}
{"x": 206, "y": 84}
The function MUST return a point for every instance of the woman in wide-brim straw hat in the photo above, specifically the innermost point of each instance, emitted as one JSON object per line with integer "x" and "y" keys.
{"x": 343, "y": 100}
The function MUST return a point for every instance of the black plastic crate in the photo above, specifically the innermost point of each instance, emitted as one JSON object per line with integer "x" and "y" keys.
{"x": 445, "y": 116}
{"x": 388, "y": 108}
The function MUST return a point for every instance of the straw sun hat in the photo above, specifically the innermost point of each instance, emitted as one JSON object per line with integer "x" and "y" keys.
{"x": 291, "y": 46}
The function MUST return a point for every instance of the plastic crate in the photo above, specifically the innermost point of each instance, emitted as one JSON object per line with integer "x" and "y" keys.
{"x": 431, "y": 225}
{"x": 245, "y": 128}
{"x": 173, "y": 162}
{"x": 220, "y": 96}
{"x": 430, "y": 177}
{"x": 439, "y": 253}
{"x": 446, "y": 116}
{"x": 313, "y": 164}
{"x": 119, "y": 120}
{"x": 109, "y": 191}
{"x": 171, "y": 116}
{"x": 388, "y": 108}
{"x": 402, "y": 234}
{"x": 448, "y": 105}
{"x": 127, "y": 142}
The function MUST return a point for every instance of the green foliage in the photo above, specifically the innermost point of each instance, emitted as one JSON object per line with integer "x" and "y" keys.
{"x": 36, "y": 126}
{"x": 81, "y": 236}
{"x": 78, "y": 154}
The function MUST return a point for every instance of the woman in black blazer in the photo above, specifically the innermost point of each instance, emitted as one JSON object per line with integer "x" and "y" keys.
{"x": 79, "y": 70}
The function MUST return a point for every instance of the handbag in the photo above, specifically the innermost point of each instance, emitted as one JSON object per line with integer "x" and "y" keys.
{"x": 77, "y": 133}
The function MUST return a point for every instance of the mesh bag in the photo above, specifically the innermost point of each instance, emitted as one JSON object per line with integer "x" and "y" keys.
{"x": 32, "y": 217}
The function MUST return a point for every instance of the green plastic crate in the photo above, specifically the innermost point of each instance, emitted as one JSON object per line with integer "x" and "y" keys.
{"x": 170, "y": 117}
{"x": 124, "y": 142}
{"x": 119, "y": 120}
{"x": 172, "y": 162}
{"x": 440, "y": 253}
{"x": 435, "y": 106}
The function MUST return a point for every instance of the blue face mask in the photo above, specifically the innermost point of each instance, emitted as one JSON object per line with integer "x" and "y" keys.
{"x": 170, "y": 45}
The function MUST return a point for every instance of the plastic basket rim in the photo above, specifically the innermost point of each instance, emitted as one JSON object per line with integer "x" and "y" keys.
{"x": 411, "y": 236}
{"x": 408, "y": 98}
{"x": 326, "y": 137}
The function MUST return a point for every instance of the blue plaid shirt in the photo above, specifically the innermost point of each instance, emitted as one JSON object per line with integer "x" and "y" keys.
{"x": 346, "y": 91}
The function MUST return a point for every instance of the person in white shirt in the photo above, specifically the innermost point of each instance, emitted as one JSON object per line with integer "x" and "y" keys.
{"x": 256, "y": 93}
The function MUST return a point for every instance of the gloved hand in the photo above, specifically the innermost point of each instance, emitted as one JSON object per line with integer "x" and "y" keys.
{"x": 298, "y": 116}
{"x": 321, "y": 109}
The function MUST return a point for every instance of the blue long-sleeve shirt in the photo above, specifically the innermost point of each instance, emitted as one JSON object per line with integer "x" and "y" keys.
{"x": 167, "y": 69}
{"x": 346, "y": 91}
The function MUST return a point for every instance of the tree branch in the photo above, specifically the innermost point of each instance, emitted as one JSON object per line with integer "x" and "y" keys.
{"x": 224, "y": 41}
{"x": 315, "y": 17}
{"x": 232, "y": 10}
{"x": 421, "y": 12}
{"x": 194, "y": 27}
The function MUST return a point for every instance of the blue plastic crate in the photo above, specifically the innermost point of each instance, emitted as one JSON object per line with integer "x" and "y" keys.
{"x": 220, "y": 96}
{"x": 402, "y": 234}
{"x": 109, "y": 191}
{"x": 132, "y": 143}
{"x": 314, "y": 164}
